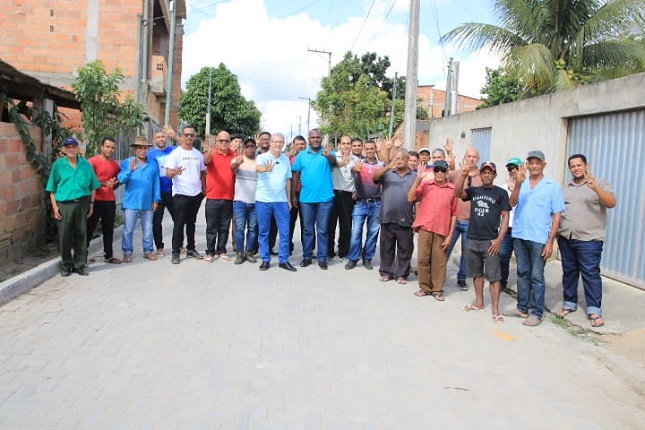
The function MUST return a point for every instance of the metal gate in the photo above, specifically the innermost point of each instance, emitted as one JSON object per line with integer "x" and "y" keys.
{"x": 615, "y": 148}
{"x": 481, "y": 142}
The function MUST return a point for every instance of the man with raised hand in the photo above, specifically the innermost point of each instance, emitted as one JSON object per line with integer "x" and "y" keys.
{"x": 159, "y": 153}
{"x": 344, "y": 189}
{"x": 244, "y": 208}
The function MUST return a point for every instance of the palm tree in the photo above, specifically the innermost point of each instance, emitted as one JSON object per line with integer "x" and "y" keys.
{"x": 553, "y": 45}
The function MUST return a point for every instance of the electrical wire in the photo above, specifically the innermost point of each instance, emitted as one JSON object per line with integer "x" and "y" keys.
{"x": 382, "y": 22}
{"x": 363, "y": 24}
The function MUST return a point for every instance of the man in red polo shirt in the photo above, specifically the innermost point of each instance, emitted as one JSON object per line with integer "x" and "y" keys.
{"x": 220, "y": 190}
{"x": 106, "y": 170}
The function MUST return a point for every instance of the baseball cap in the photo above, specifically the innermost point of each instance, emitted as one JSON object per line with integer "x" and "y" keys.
{"x": 440, "y": 163}
{"x": 70, "y": 141}
{"x": 515, "y": 161}
{"x": 536, "y": 154}
{"x": 490, "y": 165}
{"x": 424, "y": 150}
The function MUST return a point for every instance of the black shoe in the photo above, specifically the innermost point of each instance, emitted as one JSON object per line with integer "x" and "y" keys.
{"x": 350, "y": 265}
{"x": 272, "y": 252}
{"x": 82, "y": 271}
{"x": 305, "y": 262}
{"x": 65, "y": 271}
{"x": 288, "y": 266}
{"x": 323, "y": 264}
{"x": 368, "y": 264}
{"x": 175, "y": 258}
{"x": 265, "y": 266}
{"x": 191, "y": 253}
{"x": 462, "y": 285}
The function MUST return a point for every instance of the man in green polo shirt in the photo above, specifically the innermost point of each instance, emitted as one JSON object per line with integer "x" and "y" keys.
{"x": 71, "y": 186}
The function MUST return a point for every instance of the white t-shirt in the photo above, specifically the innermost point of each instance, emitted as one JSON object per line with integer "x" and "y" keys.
{"x": 189, "y": 183}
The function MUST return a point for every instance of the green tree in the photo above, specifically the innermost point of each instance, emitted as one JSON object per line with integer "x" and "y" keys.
{"x": 501, "y": 87}
{"x": 357, "y": 97}
{"x": 553, "y": 45}
{"x": 104, "y": 113}
{"x": 229, "y": 109}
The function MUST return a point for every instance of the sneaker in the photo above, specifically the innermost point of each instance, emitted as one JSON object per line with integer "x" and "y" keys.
{"x": 150, "y": 256}
{"x": 239, "y": 258}
{"x": 250, "y": 257}
{"x": 462, "y": 285}
{"x": 65, "y": 271}
{"x": 191, "y": 253}
{"x": 532, "y": 321}
{"x": 175, "y": 258}
{"x": 350, "y": 265}
{"x": 368, "y": 264}
{"x": 82, "y": 271}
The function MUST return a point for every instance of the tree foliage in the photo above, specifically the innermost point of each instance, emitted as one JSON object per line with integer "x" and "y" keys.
{"x": 357, "y": 97}
{"x": 229, "y": 109}
{"x": 554, "y": 45}
{"x": 104, "y": 113}
{"x": 501, "y": 87}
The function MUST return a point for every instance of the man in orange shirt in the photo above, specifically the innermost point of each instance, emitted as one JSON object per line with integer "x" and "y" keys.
{"x": 435, "y": 223}
{"x": 220, "y": 191}
{"x": 106, "y": 170}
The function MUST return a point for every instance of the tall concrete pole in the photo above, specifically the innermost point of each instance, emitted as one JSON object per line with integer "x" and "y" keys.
{"x": 208, "y": 109}
{"x": 396, "y": 80}
{"x": 410, "y": 121}
{"x": 171, "y": 60}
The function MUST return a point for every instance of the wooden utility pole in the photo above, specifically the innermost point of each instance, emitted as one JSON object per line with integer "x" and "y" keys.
{"x": 410, "y": 121}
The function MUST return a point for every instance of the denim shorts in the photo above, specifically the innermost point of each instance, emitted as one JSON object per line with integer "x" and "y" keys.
{"x": 478, "y": 259}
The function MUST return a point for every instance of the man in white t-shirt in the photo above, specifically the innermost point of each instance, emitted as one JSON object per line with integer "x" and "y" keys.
{"x": 185, "y": 166}
{"x": 272, "y": 201}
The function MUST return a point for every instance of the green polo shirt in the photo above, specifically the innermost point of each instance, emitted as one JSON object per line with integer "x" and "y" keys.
{"x": 68, "y": 183}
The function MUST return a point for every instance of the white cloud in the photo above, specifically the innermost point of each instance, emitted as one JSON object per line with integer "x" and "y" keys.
{"x": 270, "y": 57}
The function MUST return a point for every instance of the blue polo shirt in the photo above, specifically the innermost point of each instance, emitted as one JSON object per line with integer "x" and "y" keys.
{"x": 272, "y": 186}
{"x": 535, "y": 209}
{"x": 315, "y": 176}
{"x": 159, "y": 155}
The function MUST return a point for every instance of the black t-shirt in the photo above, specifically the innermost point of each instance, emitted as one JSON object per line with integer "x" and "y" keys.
{"x": 486, "y": 209}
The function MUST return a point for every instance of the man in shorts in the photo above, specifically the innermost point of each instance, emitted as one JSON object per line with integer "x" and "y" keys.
{"x": 489, "y": 210}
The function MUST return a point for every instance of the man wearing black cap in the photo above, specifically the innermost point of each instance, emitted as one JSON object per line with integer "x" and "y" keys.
{"x": 537, "y": 219}
{"x": 72, "y": 185}
{"x": 488, "y": 225}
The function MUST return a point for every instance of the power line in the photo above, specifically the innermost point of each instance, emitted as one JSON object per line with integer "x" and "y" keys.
{"x": 435, "y": 14}
{"x": 382, "y": 22}
{"x": 300, "y": 10}
{"x": 363, "y": 24}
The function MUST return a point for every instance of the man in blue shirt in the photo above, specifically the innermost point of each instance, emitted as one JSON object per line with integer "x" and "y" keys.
{"x": 141, "y": 178}
{"x": 539, "y": 204}
{"x": 313, "y": 169}
{"x": 158, "y": 154}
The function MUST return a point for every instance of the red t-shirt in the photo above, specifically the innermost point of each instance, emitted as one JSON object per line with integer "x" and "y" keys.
{"x": 220, "y": 178}
{"x": 105, "y": 170}
{"x": 437, "y": 206}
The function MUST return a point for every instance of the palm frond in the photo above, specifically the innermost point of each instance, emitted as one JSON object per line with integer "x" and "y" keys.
{"x": 534, "y": 64}
{"x": 474, "y": 36}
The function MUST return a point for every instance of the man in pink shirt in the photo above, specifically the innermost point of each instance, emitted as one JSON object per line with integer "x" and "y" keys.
{"x": 435, "y": 223}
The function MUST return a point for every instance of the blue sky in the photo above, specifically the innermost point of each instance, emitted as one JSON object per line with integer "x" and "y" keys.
{"x": 265, "y": 42}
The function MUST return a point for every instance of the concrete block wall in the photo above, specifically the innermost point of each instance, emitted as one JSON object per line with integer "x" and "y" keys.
{"x": 21, "y": 193}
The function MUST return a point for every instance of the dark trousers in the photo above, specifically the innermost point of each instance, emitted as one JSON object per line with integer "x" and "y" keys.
{"x": 106, "y": 212}
{"x": 396, "y": 248}
{"x": 186, "y": 208}
{"x": 218, "y": 221}
{"x": 581, "y": 258}
{"x": 157, "y": 217}
{"x": 505, "y": 252}
{"x": 72, "y": 233}
{"x": 341, "y": 214}
{"x": 294, "y": 214}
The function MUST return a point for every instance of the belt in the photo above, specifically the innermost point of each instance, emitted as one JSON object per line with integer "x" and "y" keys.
{"x": 376, "y": 199}
{"x": 75, "y": 200}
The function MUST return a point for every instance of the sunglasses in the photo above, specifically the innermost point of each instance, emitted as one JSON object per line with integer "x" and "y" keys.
{"x": 440, "y": 169}
{"x": 189, "y": 135}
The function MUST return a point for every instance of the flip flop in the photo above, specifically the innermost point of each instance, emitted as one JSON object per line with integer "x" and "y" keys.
{"x": 439, "y": 297}
{"x": 422, "y": 293}
{"x": 401, "y": 281}
{"x": 564, "y": 312}
{"x": 597, "y": 321}
{"x": 498, "y": 319}
{"x": 385, "y": 278}
{"x": 113, "y": 260}
{"x": 472, "y": 307}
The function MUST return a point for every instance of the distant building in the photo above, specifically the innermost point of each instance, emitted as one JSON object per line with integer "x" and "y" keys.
{"x": 433, "y": 100}
{"x": 51, "y": 40}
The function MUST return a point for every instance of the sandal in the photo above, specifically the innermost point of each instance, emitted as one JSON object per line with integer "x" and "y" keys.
{"x": 224, "y": 257}
{"x": 498, "y": 319}
{"x": 113, "y": 260}
{"x": 209, "y": 259}
{"x": 385, "y": 278}
{"x": 422, "y": 293}
{"x": 127, "y": 258}
{"x": 401, "y": 280}
{"x": 514, "y": 313}
{"x": 439, "y": 297}
{"x": 472, "y": 307}
{"x": 564, "y": 312}
{"x": 597, "y": 321}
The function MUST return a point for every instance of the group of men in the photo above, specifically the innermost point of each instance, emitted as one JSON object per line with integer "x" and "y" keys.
{"x": 371, "y": 186}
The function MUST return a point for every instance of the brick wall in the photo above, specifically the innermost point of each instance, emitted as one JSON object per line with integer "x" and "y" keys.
{"x": 21, "y": 193}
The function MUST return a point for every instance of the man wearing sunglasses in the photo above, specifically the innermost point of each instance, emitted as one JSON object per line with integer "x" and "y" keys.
{"x": 185, "y": 166}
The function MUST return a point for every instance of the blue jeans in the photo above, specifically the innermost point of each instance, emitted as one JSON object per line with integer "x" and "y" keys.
{"x": 530, "y": 276}
{"x": 280, "y": 212}
{"x": 461, "y": 228}
{"x": 581, "y": 258}
{"x": 364, "y": 213}
{"x": 245, "y": 217}
{"x": 315, "y": 217}
{"x": 129, "y": 224}
{"x": 505, "y": 252}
